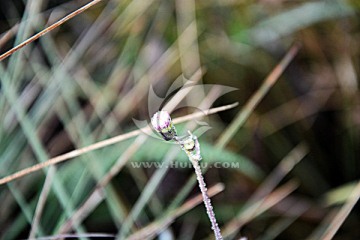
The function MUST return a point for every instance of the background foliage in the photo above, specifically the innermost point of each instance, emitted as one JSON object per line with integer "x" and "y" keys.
{"x": 86, "y": 80}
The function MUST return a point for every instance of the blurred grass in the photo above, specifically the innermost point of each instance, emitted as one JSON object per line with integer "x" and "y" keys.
{"x": 86, "y": 80}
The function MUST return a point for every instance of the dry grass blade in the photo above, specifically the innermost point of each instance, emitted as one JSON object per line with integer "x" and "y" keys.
{"x": 340, "y": 217}
{"x": 155, "y": 227}
{"x": 5, "y": 37}
{"x": 98, "y": 194}
{"x": 77, "y": 236}
{"x": 257, "y": 97}
{"x": 107, "y": 142}
{"x": 261, "y": 206}
{"x": 264, "y": 198}
{"x": 48, "y": 29}
{"x": 282, "y": 169}
{"x": 255, "y": 203}
{"x": 41, "y": 202}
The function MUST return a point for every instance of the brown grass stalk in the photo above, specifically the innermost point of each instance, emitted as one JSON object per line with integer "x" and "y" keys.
{"x": 48, "y": 29}
{"x": 107, "y": 142}
{"x": 153, "y": 228}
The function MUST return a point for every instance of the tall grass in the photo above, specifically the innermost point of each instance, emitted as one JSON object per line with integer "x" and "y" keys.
{"x": 74, "y": 75}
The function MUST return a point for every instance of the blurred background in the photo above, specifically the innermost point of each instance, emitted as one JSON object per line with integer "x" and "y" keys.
{"x": 295, "y": 160}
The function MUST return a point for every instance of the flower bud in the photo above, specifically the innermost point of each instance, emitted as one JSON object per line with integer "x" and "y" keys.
{"x": 191, "y": 146}
{"x": 161, "y": 122}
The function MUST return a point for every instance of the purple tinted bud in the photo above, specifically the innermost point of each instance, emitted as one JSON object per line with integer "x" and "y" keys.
{"x": 161, "y": 122}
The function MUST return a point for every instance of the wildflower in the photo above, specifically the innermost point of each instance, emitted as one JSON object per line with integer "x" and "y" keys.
{"x": 161, "y": 122}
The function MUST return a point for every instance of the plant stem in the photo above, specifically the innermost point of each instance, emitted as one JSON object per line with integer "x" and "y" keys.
{"x": 162, "y": 123}
{"x": 206, "y": 199}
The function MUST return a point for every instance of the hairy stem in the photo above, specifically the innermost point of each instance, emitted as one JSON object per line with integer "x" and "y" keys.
{"x": 162, "y": 123}
{"x": 206, "y": 199}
